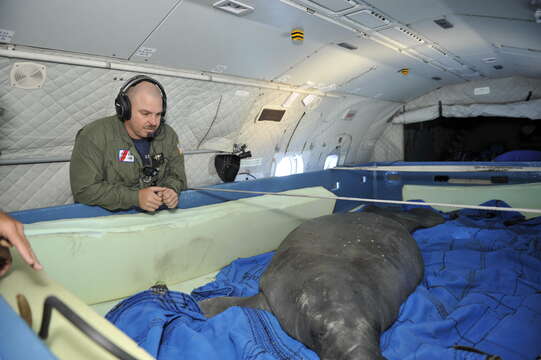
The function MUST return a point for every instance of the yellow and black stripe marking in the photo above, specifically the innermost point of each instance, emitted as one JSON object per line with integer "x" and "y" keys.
{"x": 297, "y": 35}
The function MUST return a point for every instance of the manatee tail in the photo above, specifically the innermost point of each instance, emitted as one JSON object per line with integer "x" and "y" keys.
{"x": 214, "y": 306}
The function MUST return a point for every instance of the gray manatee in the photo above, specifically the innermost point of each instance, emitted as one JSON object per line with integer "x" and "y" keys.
{"x": 337, "y": 282}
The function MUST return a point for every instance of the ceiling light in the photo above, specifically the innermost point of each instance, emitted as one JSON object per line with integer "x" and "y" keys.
{"x": 234, "y": 7}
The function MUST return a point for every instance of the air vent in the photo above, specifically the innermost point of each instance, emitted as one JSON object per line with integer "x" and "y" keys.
{"x": 410, "y": 34}
{"x": 403, "y": 36}
{"x": 348, "y": 46}
{"x": 333, "y": 5}
{"x": 444, "y": 23}
{"x": 369, "y": 18}
{"x": 271, "y": 114}
{"x": 489, "y": 60}
{"x": 234, "y": 7}
{"x": 28, "y": 75}
{"x": 438, "y": 49}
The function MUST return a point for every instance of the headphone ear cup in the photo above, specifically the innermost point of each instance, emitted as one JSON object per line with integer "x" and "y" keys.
{"x": 123, "y": 107}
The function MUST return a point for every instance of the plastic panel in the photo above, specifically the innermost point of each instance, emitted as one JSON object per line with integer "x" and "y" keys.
{"x": 100, "y": 27}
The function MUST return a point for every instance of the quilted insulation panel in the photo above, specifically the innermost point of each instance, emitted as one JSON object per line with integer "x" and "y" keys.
{"x": 42, "y": 124}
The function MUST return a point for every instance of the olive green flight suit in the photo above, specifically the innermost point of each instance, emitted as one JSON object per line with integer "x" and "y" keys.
{"x": 104, "y": 173}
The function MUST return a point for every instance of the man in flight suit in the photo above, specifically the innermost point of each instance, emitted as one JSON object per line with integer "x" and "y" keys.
{"x": 131, "y": 159}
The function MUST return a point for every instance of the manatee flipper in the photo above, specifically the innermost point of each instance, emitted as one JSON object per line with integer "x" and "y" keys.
{"x": 214, "y": 306}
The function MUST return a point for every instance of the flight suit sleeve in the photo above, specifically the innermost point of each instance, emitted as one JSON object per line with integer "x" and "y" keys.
{"x": 176, "y": 176}
{"x": 87, "y": 179}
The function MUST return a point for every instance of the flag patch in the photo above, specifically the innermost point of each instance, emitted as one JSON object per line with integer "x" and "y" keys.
{"x": 125, "y": 156}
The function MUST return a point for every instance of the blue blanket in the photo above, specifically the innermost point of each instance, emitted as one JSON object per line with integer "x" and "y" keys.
{"x": 480, "y": 295}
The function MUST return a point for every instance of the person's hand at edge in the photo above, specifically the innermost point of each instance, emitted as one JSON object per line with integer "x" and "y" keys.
{"x": 12, "y": 234}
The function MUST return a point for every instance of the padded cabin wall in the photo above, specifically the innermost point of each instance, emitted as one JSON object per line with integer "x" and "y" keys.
{"x": 325, "y": 129}
{"x": 42, "y": 124}
{"x": 511, "y": 89}
{"x": 390, "y": 146}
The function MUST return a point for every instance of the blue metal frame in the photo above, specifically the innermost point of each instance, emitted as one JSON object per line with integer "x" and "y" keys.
{"x": 353, "y": 183}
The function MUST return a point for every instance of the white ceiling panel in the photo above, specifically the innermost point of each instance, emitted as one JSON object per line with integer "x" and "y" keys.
{"x": 412, "y": 11}
{"x": 98, "y": 27}
{"x": 403, "y": 36}
{"x": 369, "y": 18}
{"x": 461, "y": 40}
{"x": 387, "y": 84}
{"x": 525, "y": 65}
{"x": 333, "y": 5}
{"x": 331, "y": 65}
{"x": 488, "y": 69}
{"x": 256, "y": 45}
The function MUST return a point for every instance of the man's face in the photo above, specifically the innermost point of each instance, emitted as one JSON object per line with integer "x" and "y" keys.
{"x": 146, "y": 113}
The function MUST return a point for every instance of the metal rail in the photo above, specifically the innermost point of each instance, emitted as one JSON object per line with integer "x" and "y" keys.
{"x": 347, "y": 198}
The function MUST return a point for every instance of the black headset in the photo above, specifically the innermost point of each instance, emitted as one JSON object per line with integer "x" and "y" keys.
{"x": 122, "y": 101}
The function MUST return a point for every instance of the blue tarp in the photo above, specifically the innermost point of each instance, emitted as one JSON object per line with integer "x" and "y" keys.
{"x": 481, "y": 291}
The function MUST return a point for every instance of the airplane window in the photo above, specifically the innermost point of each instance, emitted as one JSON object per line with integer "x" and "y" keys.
{"x": 289, "y": 165}
{"x": 330, "y": 161}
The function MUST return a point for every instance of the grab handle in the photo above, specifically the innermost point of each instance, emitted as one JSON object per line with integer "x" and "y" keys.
{"x": 54, "y": 302}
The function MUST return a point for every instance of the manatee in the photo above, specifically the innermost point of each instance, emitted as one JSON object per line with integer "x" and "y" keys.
{"x": 337, "y": 282}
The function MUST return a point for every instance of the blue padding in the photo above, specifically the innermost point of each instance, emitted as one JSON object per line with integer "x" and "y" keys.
{"x": 17, "y": 340}
{"x": 480, "y": 292}
{"x": 349, "y": 183}
{"x": 519, "y": 155}
{"x": 341, "y": 183}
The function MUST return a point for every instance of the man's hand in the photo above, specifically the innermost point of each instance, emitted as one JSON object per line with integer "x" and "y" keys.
{"x": 170, "y": 198}
{"x": 150, "y": 198}
{"x": 12, "y": 234}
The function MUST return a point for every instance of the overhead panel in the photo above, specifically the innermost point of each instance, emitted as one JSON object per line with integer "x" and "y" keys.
{"x": 332, "y": 5}
{"x": 402, "y": 36}
{"x": 460, "y": 40}
{"x": 387, "y": 84}
{"x": 412, "y": 11}
{"x": 198, "y": 36}
{"x": 98, "y": 27}
{"x": 514, "y": 33}
{"x": 329, "y": 68}
{"x": 369, "y": 18}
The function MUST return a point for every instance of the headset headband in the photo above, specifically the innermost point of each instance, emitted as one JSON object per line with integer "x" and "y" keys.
{"x": 122, "y": 102}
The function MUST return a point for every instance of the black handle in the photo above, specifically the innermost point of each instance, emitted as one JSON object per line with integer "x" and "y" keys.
{"x": 54, "y": 302}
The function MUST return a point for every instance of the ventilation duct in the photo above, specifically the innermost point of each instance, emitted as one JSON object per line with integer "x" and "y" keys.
{"x": 402, "y": 36}
{"x": 28, "y": 75}
{"x": 444, "y": 23}
{"x": 347, "y": 46}
{"x": 271, "y": 114}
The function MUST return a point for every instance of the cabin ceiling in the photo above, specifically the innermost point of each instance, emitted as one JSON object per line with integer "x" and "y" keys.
{"x": 192, "y": 34}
